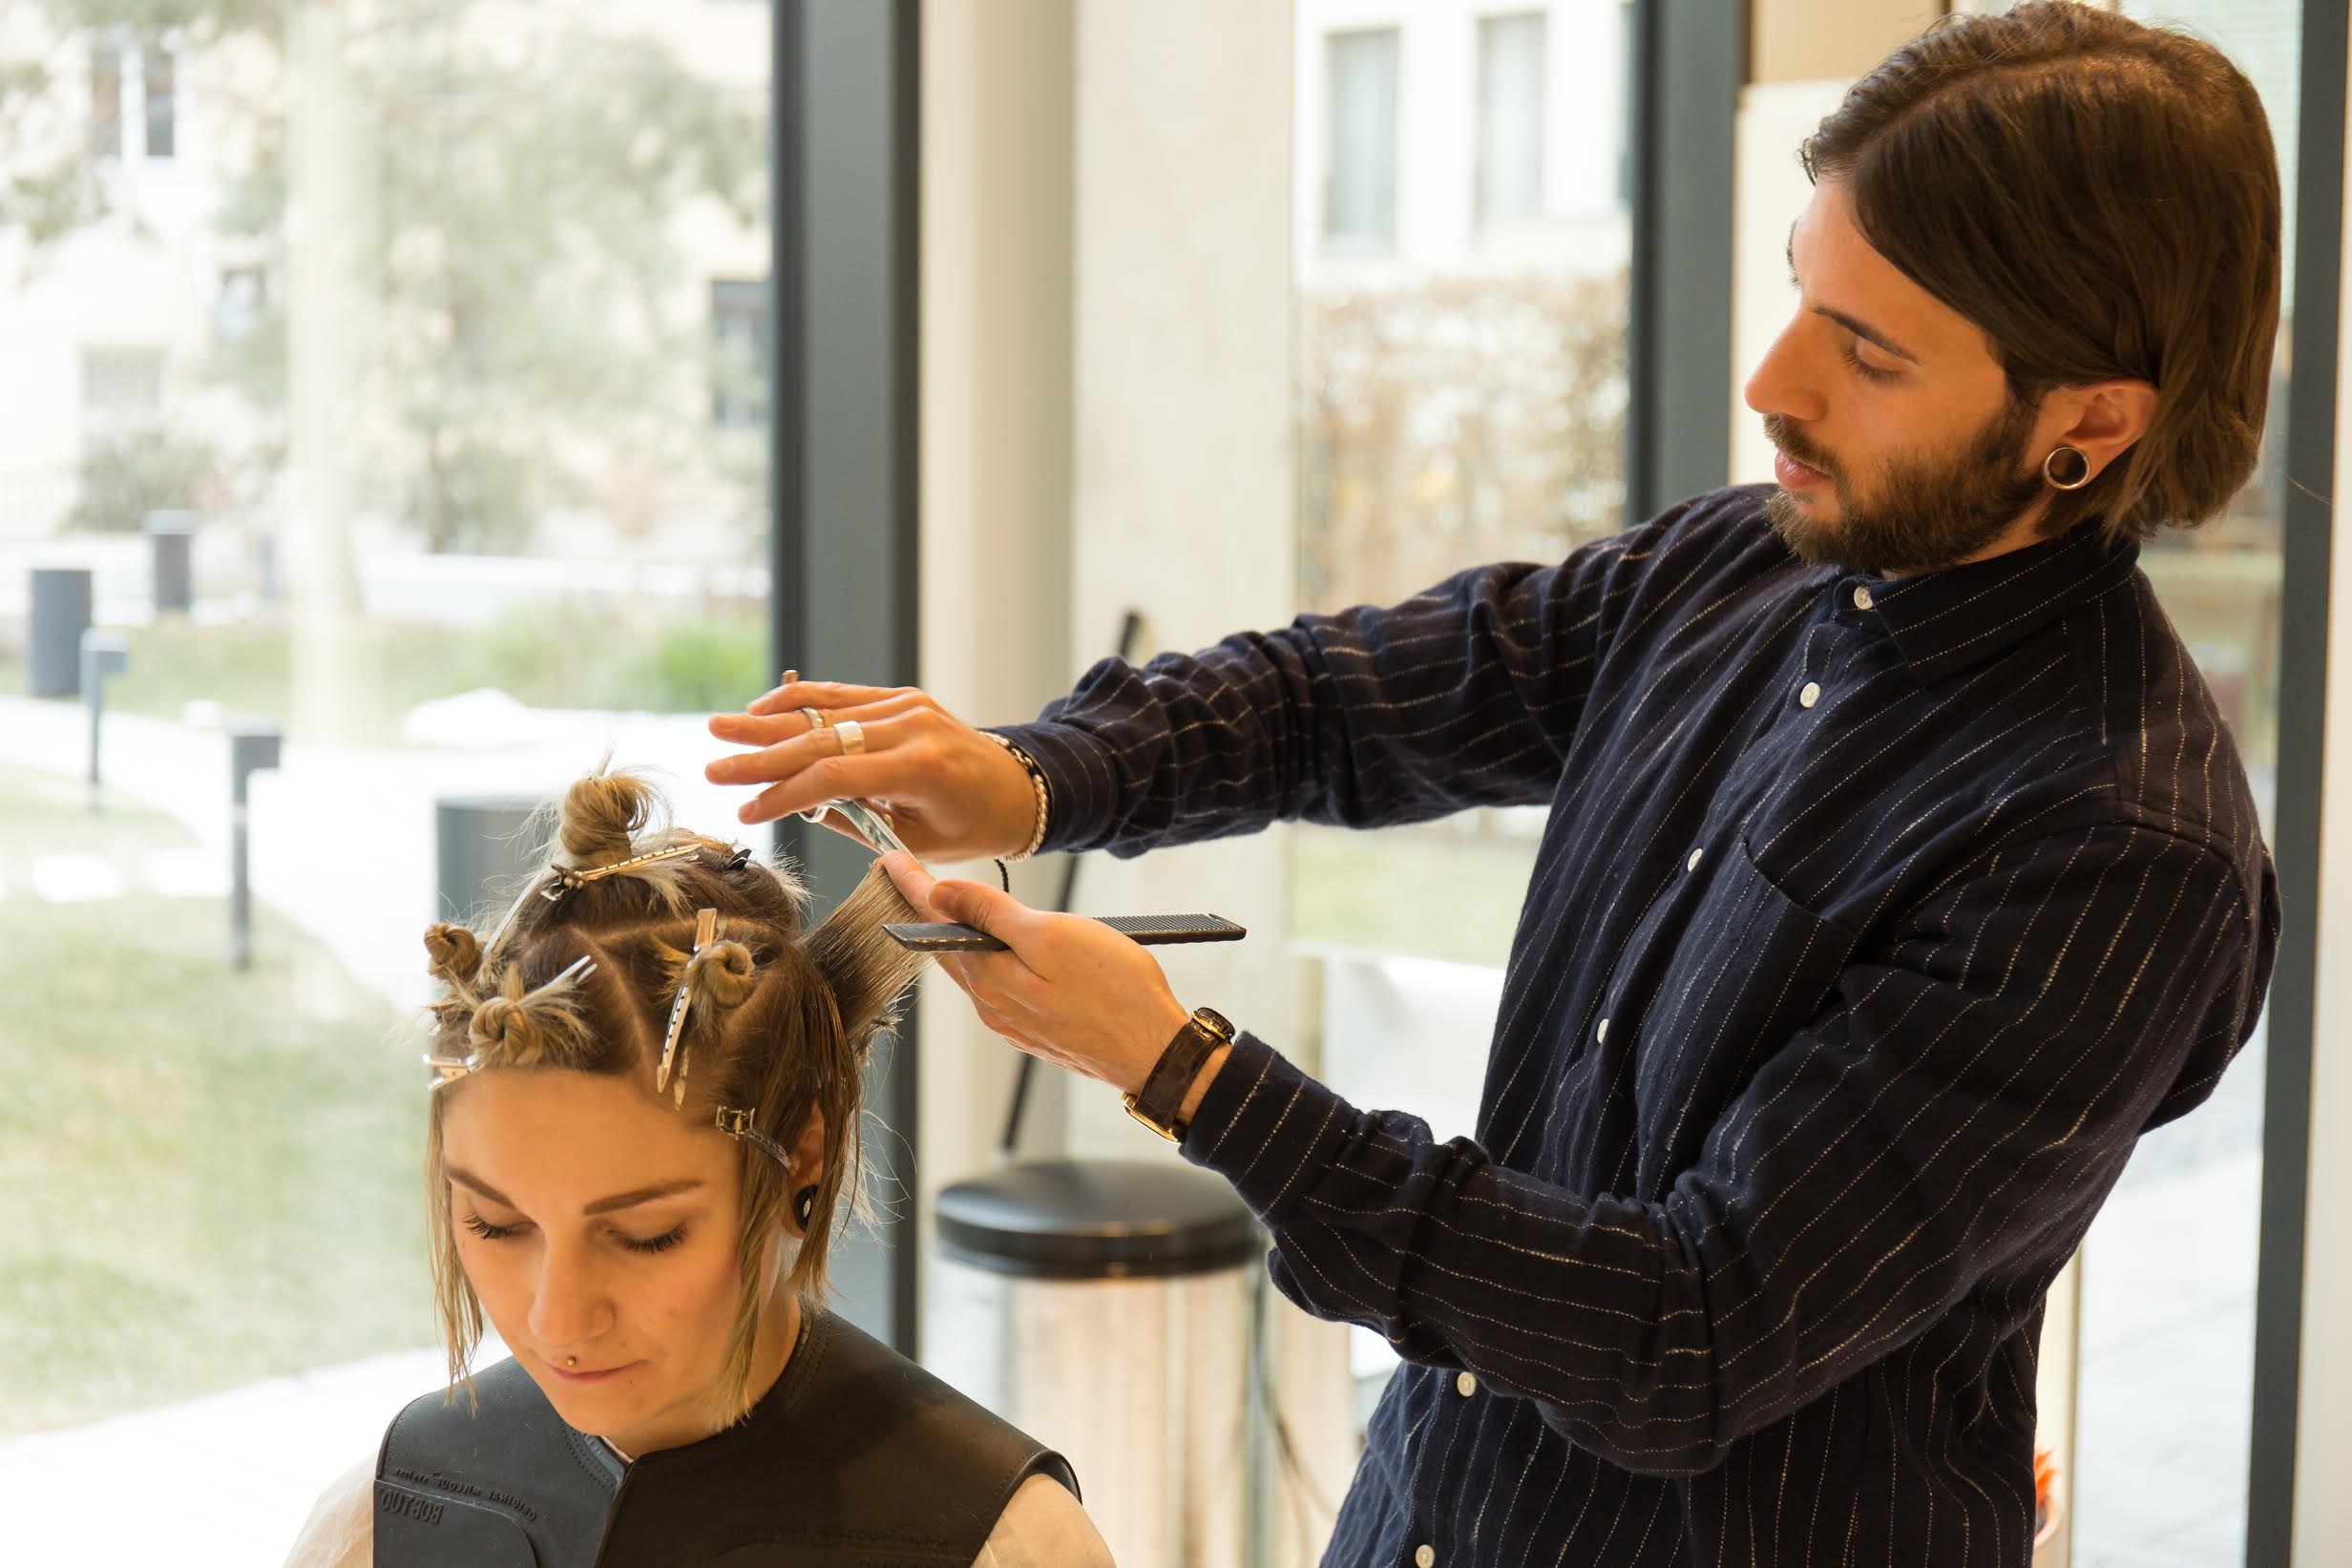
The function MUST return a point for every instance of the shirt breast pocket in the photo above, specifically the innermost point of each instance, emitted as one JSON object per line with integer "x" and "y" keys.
{"x": 1750, "y": 967}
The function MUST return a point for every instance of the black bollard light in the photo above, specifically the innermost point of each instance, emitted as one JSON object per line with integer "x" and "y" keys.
{"x": 105, "y": 652}
{"x": 58, "y": 613}
{"x": 171, "y": 537}
{"x": 254, "y": 743}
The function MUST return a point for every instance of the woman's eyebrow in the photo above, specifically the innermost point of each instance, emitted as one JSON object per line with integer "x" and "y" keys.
{"x": 603, "y": 1205}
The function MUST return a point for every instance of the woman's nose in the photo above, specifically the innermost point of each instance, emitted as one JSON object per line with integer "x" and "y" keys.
{"x": 568, "y": 1304}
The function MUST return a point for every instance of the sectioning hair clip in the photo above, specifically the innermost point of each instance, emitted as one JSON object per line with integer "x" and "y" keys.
{"x": 705, "y": 930}
{"x": 566, "y": 878}
{"x": 737, "y": 1123}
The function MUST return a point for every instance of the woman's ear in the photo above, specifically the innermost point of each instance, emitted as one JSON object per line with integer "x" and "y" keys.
{"x": 809, "y": 1152}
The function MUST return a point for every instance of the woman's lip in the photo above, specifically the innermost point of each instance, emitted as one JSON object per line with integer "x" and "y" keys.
{"x": 1793, "y": 475}
{"x": 581, "y": 1375}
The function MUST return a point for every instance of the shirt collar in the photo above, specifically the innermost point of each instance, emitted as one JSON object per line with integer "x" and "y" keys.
{"x": 1942, "y": 622}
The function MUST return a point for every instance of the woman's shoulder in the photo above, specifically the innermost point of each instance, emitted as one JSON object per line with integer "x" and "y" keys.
{"x": 1044, "y": 1527}
{"x": 341, "y": 1530}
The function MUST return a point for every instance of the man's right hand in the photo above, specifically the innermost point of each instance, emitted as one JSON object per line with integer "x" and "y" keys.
{"x": 952, "y": 793}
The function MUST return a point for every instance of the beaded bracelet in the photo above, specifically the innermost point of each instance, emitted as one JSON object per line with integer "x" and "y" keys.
{"x": 1037, "y": 782}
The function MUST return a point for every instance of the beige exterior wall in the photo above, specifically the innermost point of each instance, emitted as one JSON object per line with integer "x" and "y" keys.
{"x": 1829, "y": 40}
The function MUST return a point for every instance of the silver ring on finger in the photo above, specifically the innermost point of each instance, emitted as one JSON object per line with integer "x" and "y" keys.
{"x": 816, "y": 718}
{"x": 852, "y": 736}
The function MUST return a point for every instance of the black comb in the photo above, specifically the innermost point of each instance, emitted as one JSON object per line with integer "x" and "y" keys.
{"x": 1150, "y": 930}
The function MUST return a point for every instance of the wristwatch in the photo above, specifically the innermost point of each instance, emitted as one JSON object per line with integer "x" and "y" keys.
{"x": 1161, "y": 1101}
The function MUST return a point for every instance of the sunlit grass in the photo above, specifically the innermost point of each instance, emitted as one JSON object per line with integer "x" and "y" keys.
{"x": 212, "y": 1176}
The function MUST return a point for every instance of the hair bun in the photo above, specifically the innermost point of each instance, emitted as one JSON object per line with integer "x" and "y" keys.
{"x": 453, "y": 952}
{"x": 600, "y": 816}
{"x": 493, "y": 1020}
{"x": 722, "y": 972}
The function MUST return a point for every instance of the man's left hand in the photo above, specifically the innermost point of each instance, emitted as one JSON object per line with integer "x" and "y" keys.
{"x": 1071, "y": 990}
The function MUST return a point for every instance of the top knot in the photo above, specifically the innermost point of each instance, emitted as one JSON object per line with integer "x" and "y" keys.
{"x": 601, "y": 817}
{"x": 452, "y": 952}
{"x": 721, "y": 973}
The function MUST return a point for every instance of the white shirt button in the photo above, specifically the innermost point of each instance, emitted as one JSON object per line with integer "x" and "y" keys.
{"x": 1693, "y": 864}
{"x": 1863, "y": 599}
{"x": 1426, "y": 1557}
{"x": 1810, "y": 695}
{"x": 1601, "y": 1035}
{"x": 1466, "y": 1385}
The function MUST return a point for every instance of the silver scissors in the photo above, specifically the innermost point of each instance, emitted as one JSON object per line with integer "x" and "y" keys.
{"x": 872, "y": 825}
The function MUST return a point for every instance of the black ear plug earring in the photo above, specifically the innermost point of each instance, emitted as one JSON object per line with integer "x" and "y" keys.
{"x": 804, "y": 1204}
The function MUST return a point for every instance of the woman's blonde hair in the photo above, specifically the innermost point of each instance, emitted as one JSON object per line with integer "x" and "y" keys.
{"x": 778, "y": 1021}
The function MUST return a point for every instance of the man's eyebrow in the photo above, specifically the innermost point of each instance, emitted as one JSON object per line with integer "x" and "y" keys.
{"x": 1862, "y": 330}
{"x": 603, "y": 1205}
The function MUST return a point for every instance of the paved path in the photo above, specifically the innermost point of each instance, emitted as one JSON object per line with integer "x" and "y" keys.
{"x": 223, "y": 1482}
{"x": 342, "y": 837}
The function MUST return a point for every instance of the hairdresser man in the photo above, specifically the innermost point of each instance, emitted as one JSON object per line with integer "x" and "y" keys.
{"x": 1900, "y": 874}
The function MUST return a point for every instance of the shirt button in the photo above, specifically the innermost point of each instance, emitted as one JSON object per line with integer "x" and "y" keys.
{"x": 1426, "y": 1557}
{"x": 1810, "y": 695}
{"x": 1600, "y": 1035}
{"x": 1693, "y": 864}
{"x": 1466, "y": 1384}
{"x": 1863, "y": 599}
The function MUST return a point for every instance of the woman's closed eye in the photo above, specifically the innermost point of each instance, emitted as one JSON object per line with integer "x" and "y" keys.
{"x": 662, "y": 1243}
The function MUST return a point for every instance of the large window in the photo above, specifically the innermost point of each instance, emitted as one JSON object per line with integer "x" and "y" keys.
{"x": 1461, "y": 398}
{"x": 2166, "y": 1352}
{"x": 419, "y": 338}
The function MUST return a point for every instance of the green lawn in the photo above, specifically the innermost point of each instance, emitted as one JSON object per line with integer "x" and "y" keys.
{"x": 560, "y": 656}
{"x": 1414, "y": 890}
{"x": 212, "y": 1178}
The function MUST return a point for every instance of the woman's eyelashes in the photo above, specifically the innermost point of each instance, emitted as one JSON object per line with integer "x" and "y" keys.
{"x": 662, "y": 1243}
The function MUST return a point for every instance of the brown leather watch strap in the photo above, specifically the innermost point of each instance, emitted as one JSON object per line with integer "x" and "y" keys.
{"x": 1161, "y": 1101}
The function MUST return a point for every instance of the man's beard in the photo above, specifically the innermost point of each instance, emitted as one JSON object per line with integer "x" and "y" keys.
{"x": 1927, "y": 512}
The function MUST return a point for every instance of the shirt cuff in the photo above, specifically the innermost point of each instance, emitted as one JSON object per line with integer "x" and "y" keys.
{"x": 1267, "y": 1128}
{"x": 1081, "y": 777}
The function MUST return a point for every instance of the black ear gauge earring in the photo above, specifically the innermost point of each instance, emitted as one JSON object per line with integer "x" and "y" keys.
{"x": 804, "y": 1204}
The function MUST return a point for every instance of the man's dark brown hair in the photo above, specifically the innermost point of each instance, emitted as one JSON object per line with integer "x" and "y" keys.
{"x": 2100, "y": 199}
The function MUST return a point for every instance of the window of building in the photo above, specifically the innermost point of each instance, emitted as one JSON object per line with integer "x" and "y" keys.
{"x": 159, "y": 70}
{"x": 1359, "y": 205}
{"x": 122, "y": 389}
{"x": 1510, "y": 174}
{"x": 740, "y": 353}
{"x": 105, "y": 101}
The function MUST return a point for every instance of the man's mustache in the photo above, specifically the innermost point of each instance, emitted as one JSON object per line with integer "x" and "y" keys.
{"x": 1781, "y": 432}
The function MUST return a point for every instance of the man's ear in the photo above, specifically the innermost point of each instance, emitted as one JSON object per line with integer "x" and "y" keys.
{"x": 2106, "y": 418}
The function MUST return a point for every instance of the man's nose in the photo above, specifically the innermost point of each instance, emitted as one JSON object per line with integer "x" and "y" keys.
{"x": 1778, "y": 384}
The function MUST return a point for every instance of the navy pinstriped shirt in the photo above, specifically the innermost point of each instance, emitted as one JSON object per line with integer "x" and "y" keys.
{"x": 1873, "y": 922}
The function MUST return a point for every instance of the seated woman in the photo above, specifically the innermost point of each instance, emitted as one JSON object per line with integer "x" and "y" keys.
{"x": 643, "y": 1119}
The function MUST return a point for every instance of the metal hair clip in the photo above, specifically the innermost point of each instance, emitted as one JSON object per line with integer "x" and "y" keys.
{"x": 740, "y": 859}
{"x": 737, "y": 1123}
{"x": 568, "y": 877}
{"x": 705, "y": 929}
{"x": 447, "y": 1070}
